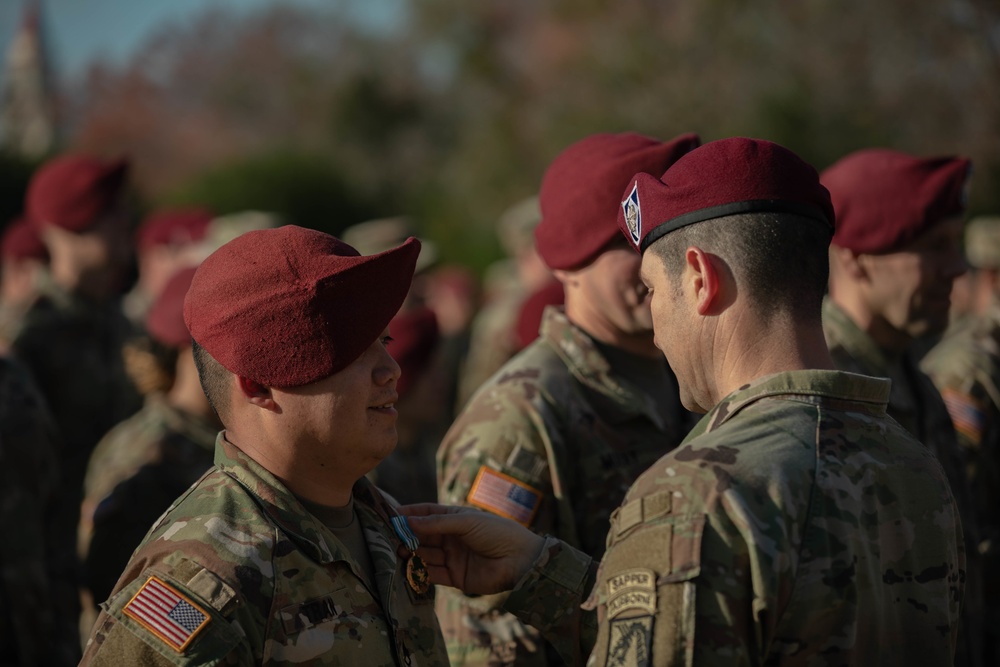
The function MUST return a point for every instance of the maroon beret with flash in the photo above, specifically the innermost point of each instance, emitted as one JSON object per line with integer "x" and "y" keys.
{"x": 73, "y": 191}
{"x": 289, "y": 306}
{"x": 722, "y": 178}
{"x": 165, "y": 321}
{"x": 884, "y": 199}
{"x": 173, "y": 227}
{"x": 581, "y": 192}
{"x": 21, "y": 241}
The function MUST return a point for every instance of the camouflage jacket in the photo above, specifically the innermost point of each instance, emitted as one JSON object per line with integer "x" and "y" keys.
{"x": 237, "y": 572}
{"x": 796, "y": 525}
{"x": 965, "y": 366}
{"x": 917, "y": 405}
{"x": 38, "y": 598}
{"x": 554, "y": 440}
{"x": 137, "y": 470}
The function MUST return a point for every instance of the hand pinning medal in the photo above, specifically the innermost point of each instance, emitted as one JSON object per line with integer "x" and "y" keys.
{"x": 416, "y": 572}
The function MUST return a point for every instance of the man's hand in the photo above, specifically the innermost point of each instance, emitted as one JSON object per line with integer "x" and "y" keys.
{"x": 476, "y": 552}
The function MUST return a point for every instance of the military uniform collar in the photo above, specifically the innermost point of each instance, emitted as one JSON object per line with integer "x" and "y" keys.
{"x": 841, "y": 331}
{"x": 197, "y": 429}
{"x": 306, "y": 531}
{"x": 586, "y": 363}
{"x": 869, "y": 393}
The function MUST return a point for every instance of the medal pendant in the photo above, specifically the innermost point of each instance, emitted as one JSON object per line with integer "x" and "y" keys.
{"x": 417, "y": 576}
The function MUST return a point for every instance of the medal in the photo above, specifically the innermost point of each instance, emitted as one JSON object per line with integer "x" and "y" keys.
{"x": 417, "y": 576}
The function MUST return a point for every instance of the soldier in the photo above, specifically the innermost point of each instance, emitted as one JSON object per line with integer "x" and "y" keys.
{"x": 144, "y": 463}
{"x": 557, "y": 435}
{"x": 894, "y": 257}
{"x": 283, "y": 552}
{"x": 965, "y": 367}
{"x": 37, "y": 565}
{"x": 72, "y": 336}
{"x": 797, "y": 524}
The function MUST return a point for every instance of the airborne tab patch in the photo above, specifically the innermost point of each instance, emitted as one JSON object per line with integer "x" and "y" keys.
{"x": 167, "y": 613}
{"x": 501, "y": 494}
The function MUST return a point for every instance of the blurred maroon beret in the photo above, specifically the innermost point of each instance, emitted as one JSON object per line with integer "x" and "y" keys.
{"x": 529, "y": 317}
{"x": 884, "y": 199}
{"x": 179, "y": 226}
{"x": 21, "y": 241}
{"x": 289, "y": 306}
{"x": 72, "y": 191}
{"x": 581, "y": 192}
{"x": 415, "y": 337}
{"x": 165, "y": 321}
{"x": 722, "y": 178}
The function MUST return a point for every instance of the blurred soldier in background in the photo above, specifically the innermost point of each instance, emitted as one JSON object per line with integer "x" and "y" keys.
{"x": 506, "y": 285}
{"x": 23, "y": 263}
{"x": 557, "y": 435}
{"x": 38, "y": 578}
{"x": 965, "y": 366}
{"x": 167, "y": 240}
{"x": 893, "y": 259}
{"x": 143, "y": 464}
{"x": 72, "y": 336}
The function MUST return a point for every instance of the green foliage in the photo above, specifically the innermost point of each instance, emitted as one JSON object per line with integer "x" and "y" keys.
{"x": 304, "y": 189}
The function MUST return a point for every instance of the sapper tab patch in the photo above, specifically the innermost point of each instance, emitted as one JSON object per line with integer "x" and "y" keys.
{"x": 167, "y": 613}
{"x": 501, "y": 494}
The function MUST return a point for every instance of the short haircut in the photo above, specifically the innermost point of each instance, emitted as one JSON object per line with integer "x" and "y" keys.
{"x": 780, "y": 259}
{"x": 215, "y": 380}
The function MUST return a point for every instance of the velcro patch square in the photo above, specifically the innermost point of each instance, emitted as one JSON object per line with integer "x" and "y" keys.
{"x": 501, "y": 494}
{"x": 167, "y": 613}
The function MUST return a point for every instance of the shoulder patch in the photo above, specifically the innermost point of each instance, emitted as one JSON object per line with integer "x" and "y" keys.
{"x": 167, "y": 613}
{"x": 501, "y": 494}
{"x": 965, "y": 413}
{"x": 631, "y": 642}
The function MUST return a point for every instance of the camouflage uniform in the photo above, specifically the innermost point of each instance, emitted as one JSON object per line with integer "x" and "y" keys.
{"x": 255, "y": 579}
{"x": 797, "y": 525}
{"x": 38, "y": 599}
{"x": 567, "y": 434}
{"x": 917, "y": 405}
{"x": 135, "y": 473}
{"x": 965, "y": 366}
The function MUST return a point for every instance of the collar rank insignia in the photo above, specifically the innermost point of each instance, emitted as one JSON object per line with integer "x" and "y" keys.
{"x": 167, "y": 613}
{"x": 633, "y": 214}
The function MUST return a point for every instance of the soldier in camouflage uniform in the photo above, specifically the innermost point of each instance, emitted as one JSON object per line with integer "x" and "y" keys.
{"x": 38, "y": 597}
{"x": 894, "y": 257}
{"x": 965, "y": 367}
{"x": 555, "y": 438}
{"x": 147, "y": 461}
{"x": 283, "y": 553}
{"x": 797, "y": 524}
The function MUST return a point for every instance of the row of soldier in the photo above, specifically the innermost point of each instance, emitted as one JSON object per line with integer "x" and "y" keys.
{"x": 592, "y": 427}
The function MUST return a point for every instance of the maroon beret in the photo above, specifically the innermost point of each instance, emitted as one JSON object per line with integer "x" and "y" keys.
{"x": 21, "y": 241}
{"x": 721, "y": 178}
{"x": 73, "y": 191}
{"x": 165, "y": 321}
{"x": 529, "y": 317}
{"x": 289, "y": 306}
{"x": 415, "y": 336}
{"x": 581, "y": 192}
{"x": 173, "y": 227}
{"x": 884, "y": 199}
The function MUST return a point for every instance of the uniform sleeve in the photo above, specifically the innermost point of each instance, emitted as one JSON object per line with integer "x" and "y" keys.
{"x": 494, "y": 458}
{"x": 163, "y": 618}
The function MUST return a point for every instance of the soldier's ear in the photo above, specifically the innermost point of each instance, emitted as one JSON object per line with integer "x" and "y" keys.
{"x": 848, "y": 263}
{"x": 255, "y": 393}
{"x": 704, "y": 278}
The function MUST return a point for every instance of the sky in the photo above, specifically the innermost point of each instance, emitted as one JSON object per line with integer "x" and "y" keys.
{"x": 82, "y": 31}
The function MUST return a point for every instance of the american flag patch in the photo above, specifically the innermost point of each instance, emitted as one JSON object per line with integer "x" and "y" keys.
{"x": 501, "y": 494}
{"x": 968, "y": 419}
{"x": 162, "y": 610}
